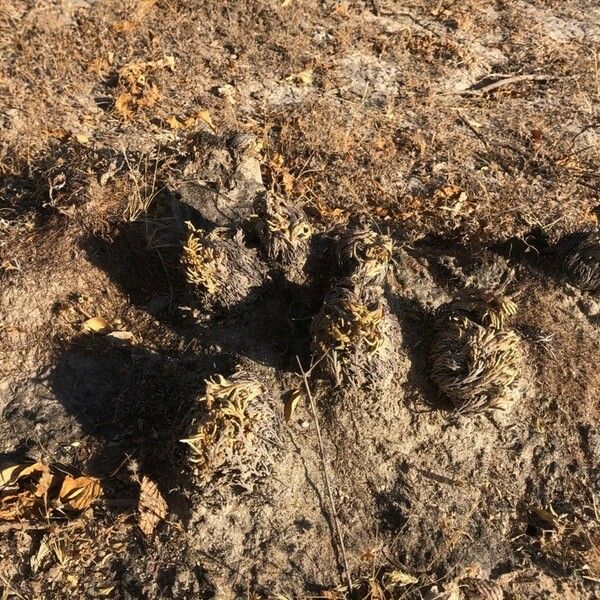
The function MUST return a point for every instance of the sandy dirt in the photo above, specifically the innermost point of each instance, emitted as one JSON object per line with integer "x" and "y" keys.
{"x": 468, "y": 132}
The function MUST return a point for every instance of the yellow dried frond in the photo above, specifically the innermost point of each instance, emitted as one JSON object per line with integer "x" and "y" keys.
{"x": 496, "y": 310}
{"x": 284, "y": 231}
{"x": 203, "y": 261}
{"x": 345, "y": 323}
{"x": 221, "y": 270}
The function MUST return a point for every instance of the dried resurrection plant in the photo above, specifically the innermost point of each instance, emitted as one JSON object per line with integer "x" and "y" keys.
{"x": 578, "y": 255}
{"x": 350, "y": 335}
{"x": 236, "y": 438}
{"x": 364, "y": 255}
{"x": 475, "y": 361}
{"x": 284, "y": 232}
{"x": 219, "y": 268}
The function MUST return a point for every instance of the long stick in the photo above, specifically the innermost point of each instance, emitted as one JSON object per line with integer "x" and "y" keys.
{"x": 502, "y": 82}
{"x": 326, "y": 475}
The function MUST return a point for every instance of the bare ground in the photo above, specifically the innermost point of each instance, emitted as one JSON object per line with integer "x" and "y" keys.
{"x": 465, "y": 130}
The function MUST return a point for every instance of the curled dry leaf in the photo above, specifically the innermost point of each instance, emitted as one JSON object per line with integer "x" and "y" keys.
{"x": 97, "y": 325}
{"x": 398, "y": 578}
{"x": 34, "y": 491}
{"x": 44, "y": 484}
{"x": 152, "y": 506}
{"x": 291, "y": 404}
{"x": 12, "y": 473}
{"x": 124, "y": 336}
{"x": 78, "y": 493}
{"x": 303, "y": 77}
{"x": 20, "y": 494}
{"x": 190, "y": 122}
{"x": 83, "y": 139}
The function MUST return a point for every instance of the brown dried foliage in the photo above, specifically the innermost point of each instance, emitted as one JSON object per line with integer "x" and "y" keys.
{"x": 236, "y": 437}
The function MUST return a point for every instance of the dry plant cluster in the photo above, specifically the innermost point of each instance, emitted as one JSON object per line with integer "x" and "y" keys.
{"x": 235, "y": 436}
{"x": 475, "y": 361}
{"x": 351, "y": 332}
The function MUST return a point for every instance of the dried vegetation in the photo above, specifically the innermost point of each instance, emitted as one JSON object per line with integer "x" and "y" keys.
{"x": 457, "y": 127}
{"x": 234, "y": 438}
{"x": 475, "y": 361}
{"x": 221, "y": 270}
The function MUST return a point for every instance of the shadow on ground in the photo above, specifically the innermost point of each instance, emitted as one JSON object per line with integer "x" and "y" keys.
{"x": 270, "y": 326}
{"x": 137, "y": 402}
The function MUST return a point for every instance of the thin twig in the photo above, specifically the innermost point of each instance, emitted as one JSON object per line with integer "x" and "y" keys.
{"x": 22, "y": 526}
{"x": 9, "y": 589}
{"x": 325, "y": 473}
{"x": 499, "y": 83}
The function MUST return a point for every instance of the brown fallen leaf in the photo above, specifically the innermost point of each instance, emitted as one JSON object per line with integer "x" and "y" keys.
{"x": 17, "y": 498}
{"x": 78, "y": 493}
{"x": 124, "y": 26}
{"x": 173, "y": 122}
{"x": 204, "y": 115}
{"x": 17, "y": 506}
{"x": 34, "y": 491}
{"x": 152, "y": 506}
{"x": 12, "y": 473}
{"x": 288, "y": 181}
{"x": 97, "y": 325}
{"x": 123, "y": 105}
{"x": 44, "y": 484}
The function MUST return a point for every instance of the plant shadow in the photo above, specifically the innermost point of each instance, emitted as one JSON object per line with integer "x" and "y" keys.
{"x": 137, "y": 402}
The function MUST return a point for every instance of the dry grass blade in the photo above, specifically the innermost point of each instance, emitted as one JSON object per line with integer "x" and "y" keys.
{"x": 326, "y": 475}
{"x": 483, "y": 88}
{"x": 152, "y": 506}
